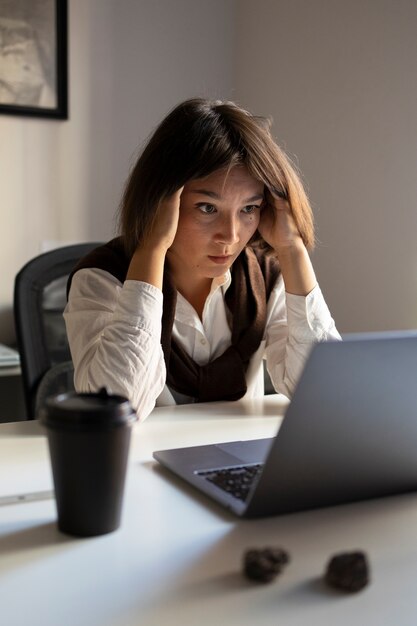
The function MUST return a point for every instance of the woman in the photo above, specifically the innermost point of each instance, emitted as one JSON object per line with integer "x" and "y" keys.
{"x": 210, "y": 275}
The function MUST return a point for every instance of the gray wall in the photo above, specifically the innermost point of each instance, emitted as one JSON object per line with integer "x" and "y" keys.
{"x": 339, "y": 79}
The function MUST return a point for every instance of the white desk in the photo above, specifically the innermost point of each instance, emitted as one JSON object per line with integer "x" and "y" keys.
{"x": 177, "y": 557}
{"x": 14, "y": 370}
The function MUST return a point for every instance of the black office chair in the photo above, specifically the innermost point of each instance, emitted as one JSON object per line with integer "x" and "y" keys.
{"x": 39, "y": 300}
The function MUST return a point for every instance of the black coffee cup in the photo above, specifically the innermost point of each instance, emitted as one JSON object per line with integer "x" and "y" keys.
{"x": 89, "y": 439}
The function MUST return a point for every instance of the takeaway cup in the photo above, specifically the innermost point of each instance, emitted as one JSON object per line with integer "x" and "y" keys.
{"x": 89, "y": 438}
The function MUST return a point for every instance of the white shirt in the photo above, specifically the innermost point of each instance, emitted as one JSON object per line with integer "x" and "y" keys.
{"x": 114, "y": 332}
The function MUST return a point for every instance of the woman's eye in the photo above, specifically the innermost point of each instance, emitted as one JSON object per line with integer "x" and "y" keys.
{"x": 206, "y": 208}
{"x": 251, "y": 208}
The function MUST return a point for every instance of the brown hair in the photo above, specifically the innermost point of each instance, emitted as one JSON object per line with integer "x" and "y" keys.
{"x": 197, "y": 138}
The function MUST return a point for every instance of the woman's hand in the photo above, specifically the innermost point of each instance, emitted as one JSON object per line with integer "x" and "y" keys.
{"x": 165, "y": 223}
{"x": 147, "y": 262}
{"x": 277, "y": 226}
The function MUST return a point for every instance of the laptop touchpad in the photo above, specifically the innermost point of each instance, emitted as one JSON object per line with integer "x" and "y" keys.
{"x": 253, "y": 451}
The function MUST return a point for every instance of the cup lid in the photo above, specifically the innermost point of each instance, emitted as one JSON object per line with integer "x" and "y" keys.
{"x": 82, "y": 409}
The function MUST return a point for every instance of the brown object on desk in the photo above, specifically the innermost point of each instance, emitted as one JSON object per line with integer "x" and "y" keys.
{"x": 348, "y": 571}
{"x": 264, "y": 565}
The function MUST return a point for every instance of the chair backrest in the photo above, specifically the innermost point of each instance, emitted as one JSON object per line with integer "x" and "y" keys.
{"x": 39, "y": 300}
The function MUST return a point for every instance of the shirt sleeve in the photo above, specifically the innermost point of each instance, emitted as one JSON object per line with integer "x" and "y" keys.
{"x": 114, "y": 333}
{"x": 294, "y": 325}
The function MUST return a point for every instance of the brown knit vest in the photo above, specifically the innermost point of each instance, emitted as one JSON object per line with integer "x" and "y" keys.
{"x": 224, "y": 378}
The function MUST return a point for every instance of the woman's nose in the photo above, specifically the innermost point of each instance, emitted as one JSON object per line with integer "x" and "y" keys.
{"x": 228, "y": 232}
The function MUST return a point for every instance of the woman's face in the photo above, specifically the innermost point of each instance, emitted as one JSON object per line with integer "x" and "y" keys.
{"x": 218, "y": 216}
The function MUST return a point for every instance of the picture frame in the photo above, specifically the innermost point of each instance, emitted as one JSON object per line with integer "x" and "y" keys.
{"x": 34, "y": 58}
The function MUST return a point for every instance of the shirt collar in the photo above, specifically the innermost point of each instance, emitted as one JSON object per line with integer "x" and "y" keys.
{"x": 183, "y": 308}
{"x": 221, "y": 281}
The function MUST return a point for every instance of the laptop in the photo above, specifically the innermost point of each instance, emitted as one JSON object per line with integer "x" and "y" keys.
{"x": 349, "y": 434}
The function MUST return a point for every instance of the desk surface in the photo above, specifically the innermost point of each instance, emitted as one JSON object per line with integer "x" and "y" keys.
{"x": 177, "y": 557}
{"x": 12, "y": 370}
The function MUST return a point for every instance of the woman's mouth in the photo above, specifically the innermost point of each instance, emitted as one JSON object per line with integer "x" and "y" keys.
{"x": 221, "y": 260}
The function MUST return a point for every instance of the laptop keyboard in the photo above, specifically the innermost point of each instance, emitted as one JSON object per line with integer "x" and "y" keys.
{"x": 237, "y": 480}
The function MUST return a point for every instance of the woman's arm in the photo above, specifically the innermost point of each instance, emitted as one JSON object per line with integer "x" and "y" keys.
{"x": 147, "y": 263}
{"x": 114, "y": 332}
{"x": 298, "y": 313}
{"x": 114, "y": 329}
{"x": 294, "y": 324}
{"x": 279, "y": 230}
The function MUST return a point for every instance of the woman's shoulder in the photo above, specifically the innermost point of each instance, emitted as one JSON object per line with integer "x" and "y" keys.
{"x": 110, "y": 257}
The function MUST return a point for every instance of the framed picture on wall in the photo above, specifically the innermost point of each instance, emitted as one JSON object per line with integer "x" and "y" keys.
{"x": 33, "y": 58}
